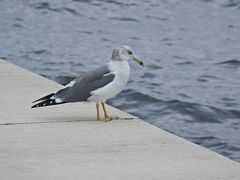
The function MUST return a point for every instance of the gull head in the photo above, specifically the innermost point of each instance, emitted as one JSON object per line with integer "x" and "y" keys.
{"x": 125, "y": 53}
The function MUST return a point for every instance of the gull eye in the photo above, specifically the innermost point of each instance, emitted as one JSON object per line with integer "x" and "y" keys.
{"x": 130, "y": 52}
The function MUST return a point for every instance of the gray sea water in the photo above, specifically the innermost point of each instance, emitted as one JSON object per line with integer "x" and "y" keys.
{"x": 190, "y": 85}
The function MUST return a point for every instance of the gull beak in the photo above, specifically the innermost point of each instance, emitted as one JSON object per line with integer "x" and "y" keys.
{"x": 138, "y": 60}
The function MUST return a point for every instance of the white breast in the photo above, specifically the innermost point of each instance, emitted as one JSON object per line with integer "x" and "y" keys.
{"x": 121, "y": 70}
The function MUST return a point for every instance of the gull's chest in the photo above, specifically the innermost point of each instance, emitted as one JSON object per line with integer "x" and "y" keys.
{"x": 121, "y": 71}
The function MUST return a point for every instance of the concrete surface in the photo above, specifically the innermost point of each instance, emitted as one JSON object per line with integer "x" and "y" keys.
{"x": 65, "y": 142}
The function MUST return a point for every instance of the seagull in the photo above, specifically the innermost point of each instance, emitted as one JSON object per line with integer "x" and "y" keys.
{"x": 97, "y": 85}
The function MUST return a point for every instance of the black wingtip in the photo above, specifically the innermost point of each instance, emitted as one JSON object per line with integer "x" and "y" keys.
{"x": 48, "y": 102}
{"x": 34, "y": 106}
{"x": 44, "y": 98}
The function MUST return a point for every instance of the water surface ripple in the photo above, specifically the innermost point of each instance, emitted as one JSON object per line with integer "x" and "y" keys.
{"x": 190, "y": 84}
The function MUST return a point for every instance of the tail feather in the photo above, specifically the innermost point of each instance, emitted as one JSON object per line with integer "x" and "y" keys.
{"x": 45, "y": 97}
{"x": 47, "y": 102}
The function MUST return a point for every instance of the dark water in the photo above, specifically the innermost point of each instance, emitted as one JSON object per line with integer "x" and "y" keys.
{"x": 190, "y": 85}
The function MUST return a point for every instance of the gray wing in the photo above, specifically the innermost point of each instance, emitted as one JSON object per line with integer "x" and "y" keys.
{"x": 80, "y": 88}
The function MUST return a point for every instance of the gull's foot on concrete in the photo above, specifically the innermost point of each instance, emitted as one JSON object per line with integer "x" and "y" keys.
{"x": 112, "y": 117}
{"x": 107, "y": 118}
{"x": 104, "y": 119}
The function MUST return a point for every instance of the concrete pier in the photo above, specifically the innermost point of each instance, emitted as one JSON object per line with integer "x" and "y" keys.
{"x": 66, "y": 142}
